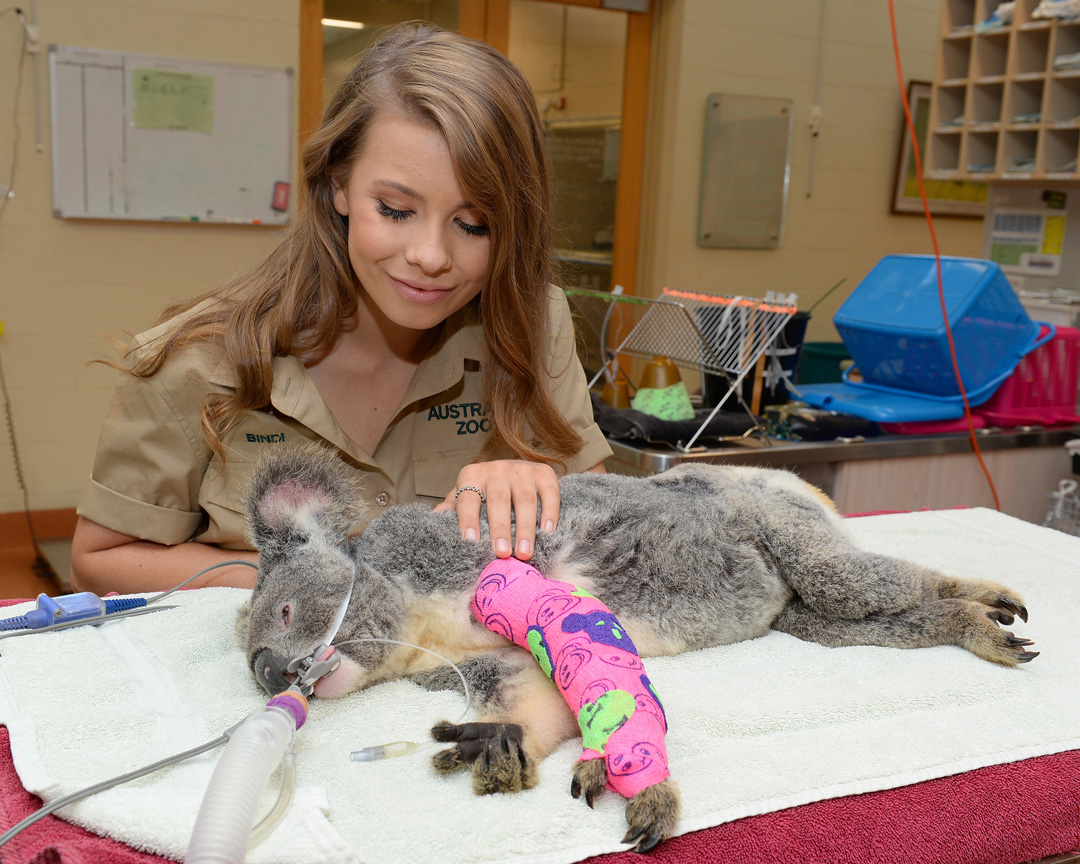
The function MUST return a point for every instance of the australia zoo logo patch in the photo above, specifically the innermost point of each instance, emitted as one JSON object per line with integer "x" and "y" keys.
{"x": 468, "y": 417}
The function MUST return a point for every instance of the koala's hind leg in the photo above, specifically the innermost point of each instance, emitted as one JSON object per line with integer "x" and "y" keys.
{"x": 971, "y": 624}
{"x": 838, "y": 580}
{"x": 523, "y": 718}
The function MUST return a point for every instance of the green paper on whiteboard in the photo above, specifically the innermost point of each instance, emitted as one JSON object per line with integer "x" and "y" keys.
{"x": 181, "y": 101}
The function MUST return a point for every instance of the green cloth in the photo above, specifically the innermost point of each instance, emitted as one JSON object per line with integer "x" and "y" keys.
{"x": 669, "y": 403}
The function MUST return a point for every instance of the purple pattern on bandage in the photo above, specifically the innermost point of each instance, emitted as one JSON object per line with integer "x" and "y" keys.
{"x": 600, "y": 626}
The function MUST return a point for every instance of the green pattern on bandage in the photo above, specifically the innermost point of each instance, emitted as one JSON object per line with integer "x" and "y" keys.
{"x": 601, "y": 719}
{"x": 539, "y": 649}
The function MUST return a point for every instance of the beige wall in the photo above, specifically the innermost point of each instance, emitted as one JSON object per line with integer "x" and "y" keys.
{"x": 62, "y": 281}
{"x": 770, "y": 48}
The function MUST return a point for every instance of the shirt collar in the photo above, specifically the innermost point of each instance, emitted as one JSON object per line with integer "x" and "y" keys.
{"x": 462, "y": 339}
{"x": 294, "y": 393}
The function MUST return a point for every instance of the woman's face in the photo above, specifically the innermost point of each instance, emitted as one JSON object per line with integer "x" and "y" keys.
{"x": 419, "y": 249}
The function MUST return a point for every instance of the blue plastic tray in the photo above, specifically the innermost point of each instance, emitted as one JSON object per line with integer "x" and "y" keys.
{"x": 877, "y": 405}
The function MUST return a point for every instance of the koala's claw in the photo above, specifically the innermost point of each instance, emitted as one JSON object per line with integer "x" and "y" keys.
{"x": 652, "y": 815}
{"x": 493, "y": 752}
{"x": 590, "y": 778}
{"x": 647, "y": 843}
{"x": 1012, "y": 606}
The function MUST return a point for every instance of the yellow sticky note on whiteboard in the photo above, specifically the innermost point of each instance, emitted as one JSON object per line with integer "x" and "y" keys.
{"x": 1053, "y": 235}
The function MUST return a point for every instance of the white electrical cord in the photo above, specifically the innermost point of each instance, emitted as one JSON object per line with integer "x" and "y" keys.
{"x": 165, "y": 594}
{"x": 28, "y": 30}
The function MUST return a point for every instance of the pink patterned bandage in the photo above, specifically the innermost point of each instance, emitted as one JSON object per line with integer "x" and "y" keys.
{"x": 582, "y": 647}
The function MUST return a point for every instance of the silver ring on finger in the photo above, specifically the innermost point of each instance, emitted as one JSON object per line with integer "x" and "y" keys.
{"x": 483, "y": 498}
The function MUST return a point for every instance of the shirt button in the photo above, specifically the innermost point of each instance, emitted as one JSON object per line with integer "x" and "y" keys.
{"x": 382, "y": 499}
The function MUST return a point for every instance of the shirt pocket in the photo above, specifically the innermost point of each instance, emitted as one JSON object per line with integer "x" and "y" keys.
{"x": 221, "y": 497}
{"x": 434, "y": 474}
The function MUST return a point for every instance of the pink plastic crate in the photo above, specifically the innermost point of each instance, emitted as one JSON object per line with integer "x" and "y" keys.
{"x": 1042, "y": 389}
{"x": 1040, "y": 392}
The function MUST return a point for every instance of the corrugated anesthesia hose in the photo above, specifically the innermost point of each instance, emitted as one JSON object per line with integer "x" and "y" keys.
{"x": 223, "y": 827}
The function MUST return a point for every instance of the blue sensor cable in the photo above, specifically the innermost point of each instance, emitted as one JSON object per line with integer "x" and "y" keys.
{"x": 70, "y": 607}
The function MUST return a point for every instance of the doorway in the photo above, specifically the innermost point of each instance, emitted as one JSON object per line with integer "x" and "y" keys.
{"x": 589, "y": 68}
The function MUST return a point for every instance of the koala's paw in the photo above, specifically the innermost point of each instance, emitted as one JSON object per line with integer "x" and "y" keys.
{"x": 652, "y": 815}
{"x": 589, "y": 779}
{"x": 493, "y": 752}
{"x": 979, "y": 627}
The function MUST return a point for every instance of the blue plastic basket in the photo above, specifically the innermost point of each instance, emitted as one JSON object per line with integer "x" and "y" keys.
{"x": 894, "y": 329}
{"x": 891, "y": 405}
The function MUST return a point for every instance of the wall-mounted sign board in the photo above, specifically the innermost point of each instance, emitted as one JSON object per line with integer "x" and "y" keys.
{"x": 745, "y": 171}
{"x": 153, "y": 138}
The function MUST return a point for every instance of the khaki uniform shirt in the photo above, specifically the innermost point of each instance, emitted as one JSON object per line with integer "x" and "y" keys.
{"x": 155, "y": 477}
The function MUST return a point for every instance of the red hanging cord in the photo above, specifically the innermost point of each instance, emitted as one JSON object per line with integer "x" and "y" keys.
{"x": 937, "y": 256}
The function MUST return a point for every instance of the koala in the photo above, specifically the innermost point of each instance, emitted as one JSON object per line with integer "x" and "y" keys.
{"x": 695, "y": 557}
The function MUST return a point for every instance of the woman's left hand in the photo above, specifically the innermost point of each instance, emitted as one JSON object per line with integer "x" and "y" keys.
{"x": 510, "y": 485}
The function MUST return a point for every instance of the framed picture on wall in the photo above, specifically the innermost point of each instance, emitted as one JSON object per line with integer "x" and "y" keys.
{"x": 945, "y": 197}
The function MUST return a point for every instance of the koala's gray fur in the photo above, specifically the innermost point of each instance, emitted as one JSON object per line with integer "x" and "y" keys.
{"x": 697, "y": 556}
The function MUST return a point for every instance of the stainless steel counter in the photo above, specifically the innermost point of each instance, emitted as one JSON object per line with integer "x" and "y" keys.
{"x": 895, "y": 472}
{"x": 654, "y": 458}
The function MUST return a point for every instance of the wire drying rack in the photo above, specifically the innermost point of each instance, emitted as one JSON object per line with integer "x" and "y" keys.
{"x": 714, "y": 333}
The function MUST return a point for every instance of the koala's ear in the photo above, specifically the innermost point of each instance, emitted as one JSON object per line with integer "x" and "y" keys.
{"x": 297, "y": 489}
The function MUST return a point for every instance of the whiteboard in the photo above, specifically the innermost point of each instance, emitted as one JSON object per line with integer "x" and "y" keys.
{"x": 140, "y": 137}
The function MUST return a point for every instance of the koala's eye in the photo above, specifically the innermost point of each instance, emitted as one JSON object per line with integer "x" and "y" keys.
{"x": 286, "y": 615}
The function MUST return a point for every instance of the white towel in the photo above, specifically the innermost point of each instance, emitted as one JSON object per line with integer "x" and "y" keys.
{"x": 755, "y": 727}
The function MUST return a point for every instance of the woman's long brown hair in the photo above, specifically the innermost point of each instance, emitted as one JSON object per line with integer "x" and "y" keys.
{"x": 295, "y": 301}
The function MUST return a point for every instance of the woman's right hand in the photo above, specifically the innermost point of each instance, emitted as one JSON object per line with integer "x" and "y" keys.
{"x": 508, "y": 486}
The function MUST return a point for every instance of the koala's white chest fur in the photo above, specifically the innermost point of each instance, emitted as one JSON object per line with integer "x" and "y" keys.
{"x": 442, "y": 622}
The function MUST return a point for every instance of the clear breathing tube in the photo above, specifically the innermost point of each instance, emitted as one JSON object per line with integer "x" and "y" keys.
{"x": 223, "y": 832}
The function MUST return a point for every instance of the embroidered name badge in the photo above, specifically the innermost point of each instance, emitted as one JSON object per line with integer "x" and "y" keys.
{"x": 272, "y": 438}
{"x": 468, "y": 417}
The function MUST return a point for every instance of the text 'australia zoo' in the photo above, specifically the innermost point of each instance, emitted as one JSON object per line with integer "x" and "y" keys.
{"x": 469, "y": 416}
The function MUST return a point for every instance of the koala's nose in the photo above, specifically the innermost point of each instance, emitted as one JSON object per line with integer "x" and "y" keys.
{"x": 269, "y": 669}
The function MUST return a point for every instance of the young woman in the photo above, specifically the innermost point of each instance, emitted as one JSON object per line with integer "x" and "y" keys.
{"x": 406, "y": 320}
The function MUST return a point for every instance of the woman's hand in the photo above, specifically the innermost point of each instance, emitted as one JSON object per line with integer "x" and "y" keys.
{"x": 507, "y": 485}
